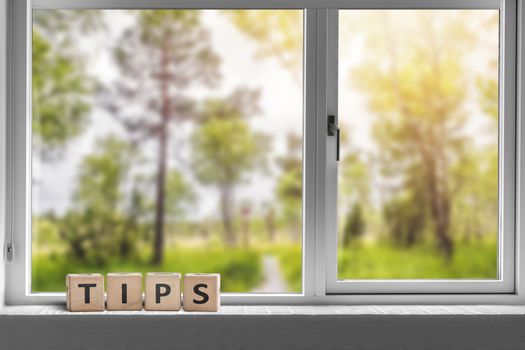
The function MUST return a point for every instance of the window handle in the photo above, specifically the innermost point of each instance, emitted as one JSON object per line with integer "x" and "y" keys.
{"x": 333, "y": 130}
{"x": 338, "y": 148}
{"x": 10, "y": 251}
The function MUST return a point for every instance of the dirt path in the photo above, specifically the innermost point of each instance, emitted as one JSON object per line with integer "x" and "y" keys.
{"x": 273, "y": 278}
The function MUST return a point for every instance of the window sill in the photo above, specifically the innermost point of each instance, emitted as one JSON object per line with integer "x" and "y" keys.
{"x": 268, "y": 327}
{"x": 299, "y": 310}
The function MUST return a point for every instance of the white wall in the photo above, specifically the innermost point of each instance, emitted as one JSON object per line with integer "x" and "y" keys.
{"x": 3, "y": 111}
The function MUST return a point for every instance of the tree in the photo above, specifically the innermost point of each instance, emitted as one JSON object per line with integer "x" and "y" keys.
{"x": 225, "y": 150}
{"x": 61, "y": 26}
{"x": 416, "y": 87}
{"x": 405, "y": 217}
{"x": 476, "y": 175}
{"x": 290, "y": 185}
{"x": 178, "y": 194}
{"x": 61, "y": 86}
{"x": 279, "y": 34}
{"x": 60, "y": 90}
{"x": 98, "y": 221}
{"x": 159, "y": 56}
{"x": 355, "y": 225}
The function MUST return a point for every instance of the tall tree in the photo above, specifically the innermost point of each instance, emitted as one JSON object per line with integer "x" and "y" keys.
{"x": 162, "y": 53}
{"x": 225, "y": 150}
{"x": 415, "y": 84}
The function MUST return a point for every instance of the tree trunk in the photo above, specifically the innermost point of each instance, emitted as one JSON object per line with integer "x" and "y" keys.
{"x": 158, "y": 244}
{"x": 226, "y": 212}
{"x": 439, "y": 207}
{"x": 430, "y": 148}
{"x": 124, "y": 248}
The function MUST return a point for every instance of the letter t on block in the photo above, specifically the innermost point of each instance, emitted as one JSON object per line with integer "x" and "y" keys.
{"x": 202, "y": 292}
{"x": 85, "y": 292}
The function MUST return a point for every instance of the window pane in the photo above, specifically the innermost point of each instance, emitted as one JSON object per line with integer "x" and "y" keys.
{"x": 418, "y": 177}
{"x": 160, "y": 144}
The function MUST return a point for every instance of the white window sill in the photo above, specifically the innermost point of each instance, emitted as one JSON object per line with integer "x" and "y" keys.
{"x": 41, "y": 310}
{"x": 365, "y": 327}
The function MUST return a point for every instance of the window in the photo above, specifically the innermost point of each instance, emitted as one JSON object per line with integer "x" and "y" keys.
{"x": 341, "y": 154}
{"x": 418, "y": 184}
{"x": 158, "y": 144}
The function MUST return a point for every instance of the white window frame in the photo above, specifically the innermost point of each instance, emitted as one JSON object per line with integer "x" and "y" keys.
{"x": 504, "y": 283}
{"x": 320, "y": 284}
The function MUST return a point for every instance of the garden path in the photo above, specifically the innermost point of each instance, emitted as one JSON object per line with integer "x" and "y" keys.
{"x": 273, "y": 278}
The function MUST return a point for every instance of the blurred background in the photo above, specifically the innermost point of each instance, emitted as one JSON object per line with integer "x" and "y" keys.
{"x": 171, "y": 140}
{"x": 418, "y": 108}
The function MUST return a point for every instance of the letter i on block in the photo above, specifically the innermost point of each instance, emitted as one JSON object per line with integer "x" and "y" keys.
{"x": 202, "y": 292}
{"x": 124, "y": 291}
{"x": 85, "y": 292}
{"x": 162, "y": 291}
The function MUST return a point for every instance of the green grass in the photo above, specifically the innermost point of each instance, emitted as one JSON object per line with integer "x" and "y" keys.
{"x": 240, "y": 270}
{"x": 473, "y": 260}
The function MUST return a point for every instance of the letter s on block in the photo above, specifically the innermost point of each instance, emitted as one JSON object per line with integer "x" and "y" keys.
{"x": 204, "y": 295}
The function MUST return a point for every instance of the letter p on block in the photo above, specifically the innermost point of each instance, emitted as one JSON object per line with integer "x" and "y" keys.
{"x": 85, "y": 292}
{"x": 162, "y": 291}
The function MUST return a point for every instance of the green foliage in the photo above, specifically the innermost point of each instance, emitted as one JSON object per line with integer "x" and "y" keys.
{"x": 355, "y": 225}
{"x": 45, "y": 233}
{"x": 226, "y": 150}
{"x": 289, "y": 189}
{"x": 405, "y": 217}
{"x": 279, "y": 34}
{"x": 240, "y": 270}
{"x": 97, "y": 227}
{"x": 179, "y": 194}
{"x": 355, "y": 177}
{"x": 60, "y": 88}
{"x": 102, "y": 175}
{"x": 67, "y": 23}
{"x": 417, "y": 89}
{"x": 163, "y": 48}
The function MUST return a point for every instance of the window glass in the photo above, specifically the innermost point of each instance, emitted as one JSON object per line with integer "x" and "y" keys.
{"x": 160, "y": 143}
{"x": 418, "y": 177}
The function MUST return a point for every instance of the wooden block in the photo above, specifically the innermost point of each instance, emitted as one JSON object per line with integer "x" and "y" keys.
{"x": 85, "y": 292}
{"x": 124, "y": 291}
{"x": 162, "y": 291}
{"x": 202, "y": 292}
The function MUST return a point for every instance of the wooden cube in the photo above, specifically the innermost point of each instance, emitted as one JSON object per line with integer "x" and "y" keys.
{"x": 124, "y": 291}
{"x": 202, "y": 292}
{"x": 162, "y": 291}
{"x": 85, "y": 292}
